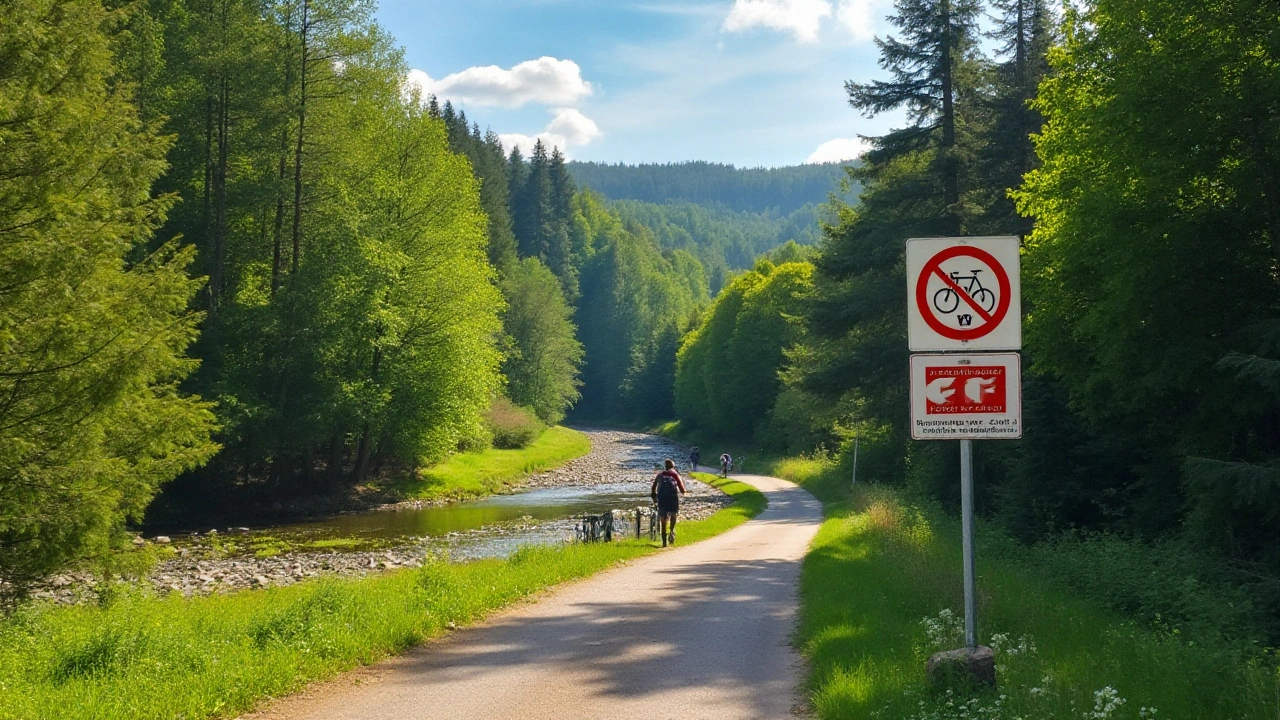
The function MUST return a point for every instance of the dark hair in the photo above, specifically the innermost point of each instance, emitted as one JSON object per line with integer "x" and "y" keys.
{"x": 671, "y": 464}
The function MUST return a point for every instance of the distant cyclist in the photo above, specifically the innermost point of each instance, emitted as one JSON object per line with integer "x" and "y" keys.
{"x": 694, "y": 456}
{"x": 666, "y": 489}
{"x": 726, "y": 462}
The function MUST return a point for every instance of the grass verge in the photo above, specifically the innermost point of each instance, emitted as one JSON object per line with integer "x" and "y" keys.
{"x": 171, "y": 657}
{"x": 881, "y": 591}
{"x": 468, "y": 475}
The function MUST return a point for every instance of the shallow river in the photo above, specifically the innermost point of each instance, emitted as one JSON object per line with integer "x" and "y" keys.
{"x": 494, "y": 513}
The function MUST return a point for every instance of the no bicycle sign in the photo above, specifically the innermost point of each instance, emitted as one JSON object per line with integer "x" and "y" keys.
{"x": 963, "y": 294}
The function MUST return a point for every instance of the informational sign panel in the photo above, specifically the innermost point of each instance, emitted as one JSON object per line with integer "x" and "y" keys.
{"x": 963, "y": 294}
{"x": 966, "y": 397}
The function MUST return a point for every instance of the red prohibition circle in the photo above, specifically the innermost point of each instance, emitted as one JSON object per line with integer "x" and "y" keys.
{"x": 934, "y": 265}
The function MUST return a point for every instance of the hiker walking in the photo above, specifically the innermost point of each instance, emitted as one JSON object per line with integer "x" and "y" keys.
{"x": 726, "y": 461}
{"x": 694, "y": 456}
{"x": 666, "y": 489}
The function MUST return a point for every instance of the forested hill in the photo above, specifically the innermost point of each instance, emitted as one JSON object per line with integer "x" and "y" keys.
{"x": 783, "y": 190}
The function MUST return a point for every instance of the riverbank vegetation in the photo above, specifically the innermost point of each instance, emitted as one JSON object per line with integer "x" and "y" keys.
{"x": 486, "y": 472}
{"x": 163, "y": 657}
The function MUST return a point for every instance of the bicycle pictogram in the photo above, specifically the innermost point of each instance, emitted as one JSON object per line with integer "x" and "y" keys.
{"x": 947, "y": 300}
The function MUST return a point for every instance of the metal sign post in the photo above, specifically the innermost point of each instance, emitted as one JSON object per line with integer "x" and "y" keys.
{"x": 966, "y": 521}
{"x": 964, "y": 305}
{"x": 855, "y": 461}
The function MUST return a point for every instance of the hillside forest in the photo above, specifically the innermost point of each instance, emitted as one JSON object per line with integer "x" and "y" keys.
{"x": 240, "y": 263}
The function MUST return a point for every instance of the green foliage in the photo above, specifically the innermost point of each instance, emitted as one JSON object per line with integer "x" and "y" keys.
{"x": 1155, "y": 245}
{"x": 352, "y": 313}
{"x": 542, "y": 210}
{"x": 148, "y": 657}
{"x": 542, "y": 365}
{"x": 727, "y": 377}
{"x": 94, "y": 318}
{"x": 489, "y": 163}
{"x": 631, "y": 296}
{"x": 745, "y": 190}
{"x": 511, "y": 426}
{"x": 722, "y": 240}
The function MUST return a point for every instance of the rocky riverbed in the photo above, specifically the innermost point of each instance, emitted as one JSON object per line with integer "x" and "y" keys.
{"x": 233, "y": 559}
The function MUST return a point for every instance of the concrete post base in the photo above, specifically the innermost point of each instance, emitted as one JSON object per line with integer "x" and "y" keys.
{"x": 966, "y": 666}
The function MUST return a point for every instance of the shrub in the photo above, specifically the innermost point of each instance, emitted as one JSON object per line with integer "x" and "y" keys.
{"x": 512, "y": 426}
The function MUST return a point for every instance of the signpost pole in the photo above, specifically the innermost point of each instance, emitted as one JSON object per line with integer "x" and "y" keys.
{"x": 970, "y": 574}
{"x": 855, "y": 460}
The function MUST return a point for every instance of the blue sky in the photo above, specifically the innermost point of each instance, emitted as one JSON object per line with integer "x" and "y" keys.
{"x": 747, "y": 82}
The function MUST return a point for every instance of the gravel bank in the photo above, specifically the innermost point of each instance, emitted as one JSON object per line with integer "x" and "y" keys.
{"x": 200, "y": 566}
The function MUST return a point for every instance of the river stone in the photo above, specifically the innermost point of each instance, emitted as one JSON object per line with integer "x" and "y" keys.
{"x": 962, "y": 667}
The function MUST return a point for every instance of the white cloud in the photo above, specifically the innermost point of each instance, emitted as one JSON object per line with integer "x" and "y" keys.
{"x": 573, "y": 126}
{"x": 838, "y": 150}
{"x": 547, "y": 81}
{"x": 801, "y": 18}
{"x": 569, "y": 127}
{"x": 859, "y": 17}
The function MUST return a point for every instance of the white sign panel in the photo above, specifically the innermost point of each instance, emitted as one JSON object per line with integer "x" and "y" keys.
{"x": 966, "y": 397}
{"x": 963, "y": 294}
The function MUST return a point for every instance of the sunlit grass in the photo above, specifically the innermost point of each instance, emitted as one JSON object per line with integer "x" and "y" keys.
{"x": 467, "y": 475}
{"x": 881, "y": 566}
{"x": 218, "y": 656}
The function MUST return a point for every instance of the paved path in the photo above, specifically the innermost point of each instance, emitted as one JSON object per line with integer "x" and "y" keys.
{"x": 709, "y": 639}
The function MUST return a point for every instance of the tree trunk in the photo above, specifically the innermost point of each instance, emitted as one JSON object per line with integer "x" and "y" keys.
{"x": 333, "y": 470}
{"x": 277, "y": 236}
{"x": 950, "y": 173}
{"x": 208, "y": 164}
{"x": 302, "y": 122}
{"x": 1269, "y": 186}
{"x": 362, "y": 455}
{"x": 216, "y": 273}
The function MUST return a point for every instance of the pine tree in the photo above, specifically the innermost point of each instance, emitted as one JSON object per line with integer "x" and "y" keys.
{"x": 556, "y": 226}
{"x": 1027, "y": 30}
{"x": 489, "y": 166}
{"x": 935, "y": 73}
{"x": 94, "y": 323}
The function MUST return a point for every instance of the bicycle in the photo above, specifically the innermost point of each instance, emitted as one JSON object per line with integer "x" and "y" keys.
{"x": 947, "y": 300}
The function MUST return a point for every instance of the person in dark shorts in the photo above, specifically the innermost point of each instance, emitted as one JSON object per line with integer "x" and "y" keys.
{"x": 726, "y": 462}
{"x": 694, "y": 456}
{"x": 666, "y": 489}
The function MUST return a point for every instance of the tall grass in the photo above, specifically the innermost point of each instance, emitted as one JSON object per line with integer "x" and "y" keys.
{"x": 475, "y": 474}
{"x": 171, "y": 657}
{"x": 881, "y": 591}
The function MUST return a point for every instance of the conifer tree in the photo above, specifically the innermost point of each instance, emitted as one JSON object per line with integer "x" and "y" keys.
{"x": 935, "y": 73}
{"x": 556, "y": 226}
{"x": 94, "y": 322}
{"x": 489, "y": 165}
{"x": 1026, "y": 29}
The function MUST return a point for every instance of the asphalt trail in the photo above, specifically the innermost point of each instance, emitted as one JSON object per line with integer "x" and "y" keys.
{"x": 705, "y": 636}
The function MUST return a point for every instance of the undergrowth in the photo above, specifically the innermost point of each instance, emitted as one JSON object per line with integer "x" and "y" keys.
{"x": 1075, "y": 640}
